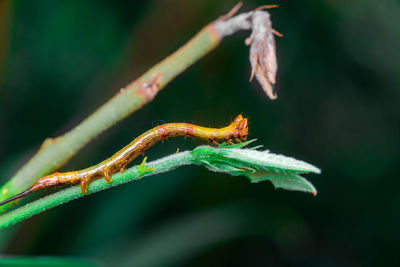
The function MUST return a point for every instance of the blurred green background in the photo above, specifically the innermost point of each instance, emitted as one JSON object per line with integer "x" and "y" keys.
{"x": 338, "y": 96}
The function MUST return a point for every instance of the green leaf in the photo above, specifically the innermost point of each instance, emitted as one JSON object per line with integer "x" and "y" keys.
{"x": 257, "y": 165}
{"x": 238, "y": 145}
{"x": 249, "y": 160}
{"x": 289, "y": 181}
{"x": 45, "y": 262}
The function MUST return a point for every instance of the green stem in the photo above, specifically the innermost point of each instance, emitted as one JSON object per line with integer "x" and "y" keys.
{"x": 74, "y": 192}
{"x": 256, "y": 165}
{"x": 55, "y": 152}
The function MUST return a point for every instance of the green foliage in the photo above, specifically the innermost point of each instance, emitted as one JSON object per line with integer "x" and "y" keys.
{"x": 258, "y": 166}
{"x": 45, "y": 262}
{"x": 234, "y": 160}
{"x": 338, "y": 94}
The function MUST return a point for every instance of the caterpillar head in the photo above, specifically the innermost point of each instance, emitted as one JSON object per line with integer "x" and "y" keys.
{"x": 241, "y": 126}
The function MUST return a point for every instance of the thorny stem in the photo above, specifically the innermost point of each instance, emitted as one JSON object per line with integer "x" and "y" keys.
{"x": 54, "y": 152}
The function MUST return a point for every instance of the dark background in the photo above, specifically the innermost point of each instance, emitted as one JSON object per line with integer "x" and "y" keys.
{"x": 338, "y": 96}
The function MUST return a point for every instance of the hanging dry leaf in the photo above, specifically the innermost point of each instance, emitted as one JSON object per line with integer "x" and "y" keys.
{"x": 262, "y": 52}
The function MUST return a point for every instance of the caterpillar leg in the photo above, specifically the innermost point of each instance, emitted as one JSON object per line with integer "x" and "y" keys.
{"x": 228, "y": 141}
{"x": 106, "y": 175}
{"x": 84, "y": 185}
{"x": 85, "y": 182}
{"x": 123, "y": 167}
{"x": 212, "y": 140}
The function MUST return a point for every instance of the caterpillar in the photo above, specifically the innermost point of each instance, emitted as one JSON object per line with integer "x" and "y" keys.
{"x": 236, "y": 131}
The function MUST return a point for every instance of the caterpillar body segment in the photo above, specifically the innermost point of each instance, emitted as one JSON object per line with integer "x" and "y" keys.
{"x": 236, "y": 131}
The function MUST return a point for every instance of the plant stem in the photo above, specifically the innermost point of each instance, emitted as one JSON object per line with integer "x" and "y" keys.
{"x": 228, "y": 159}
{"x": 55, "y": 152}
{"x": 74, "y": 192}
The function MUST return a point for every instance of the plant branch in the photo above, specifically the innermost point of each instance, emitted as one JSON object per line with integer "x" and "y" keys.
{"x": 256, "y": 165}
{"x": 55, "y": 152}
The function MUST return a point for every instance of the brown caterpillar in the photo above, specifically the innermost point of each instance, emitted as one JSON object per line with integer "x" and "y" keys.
{"x": 236, "y": 131}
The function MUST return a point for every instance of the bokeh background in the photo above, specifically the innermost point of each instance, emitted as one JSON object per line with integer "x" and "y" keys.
{"x": 338, "y": 97}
